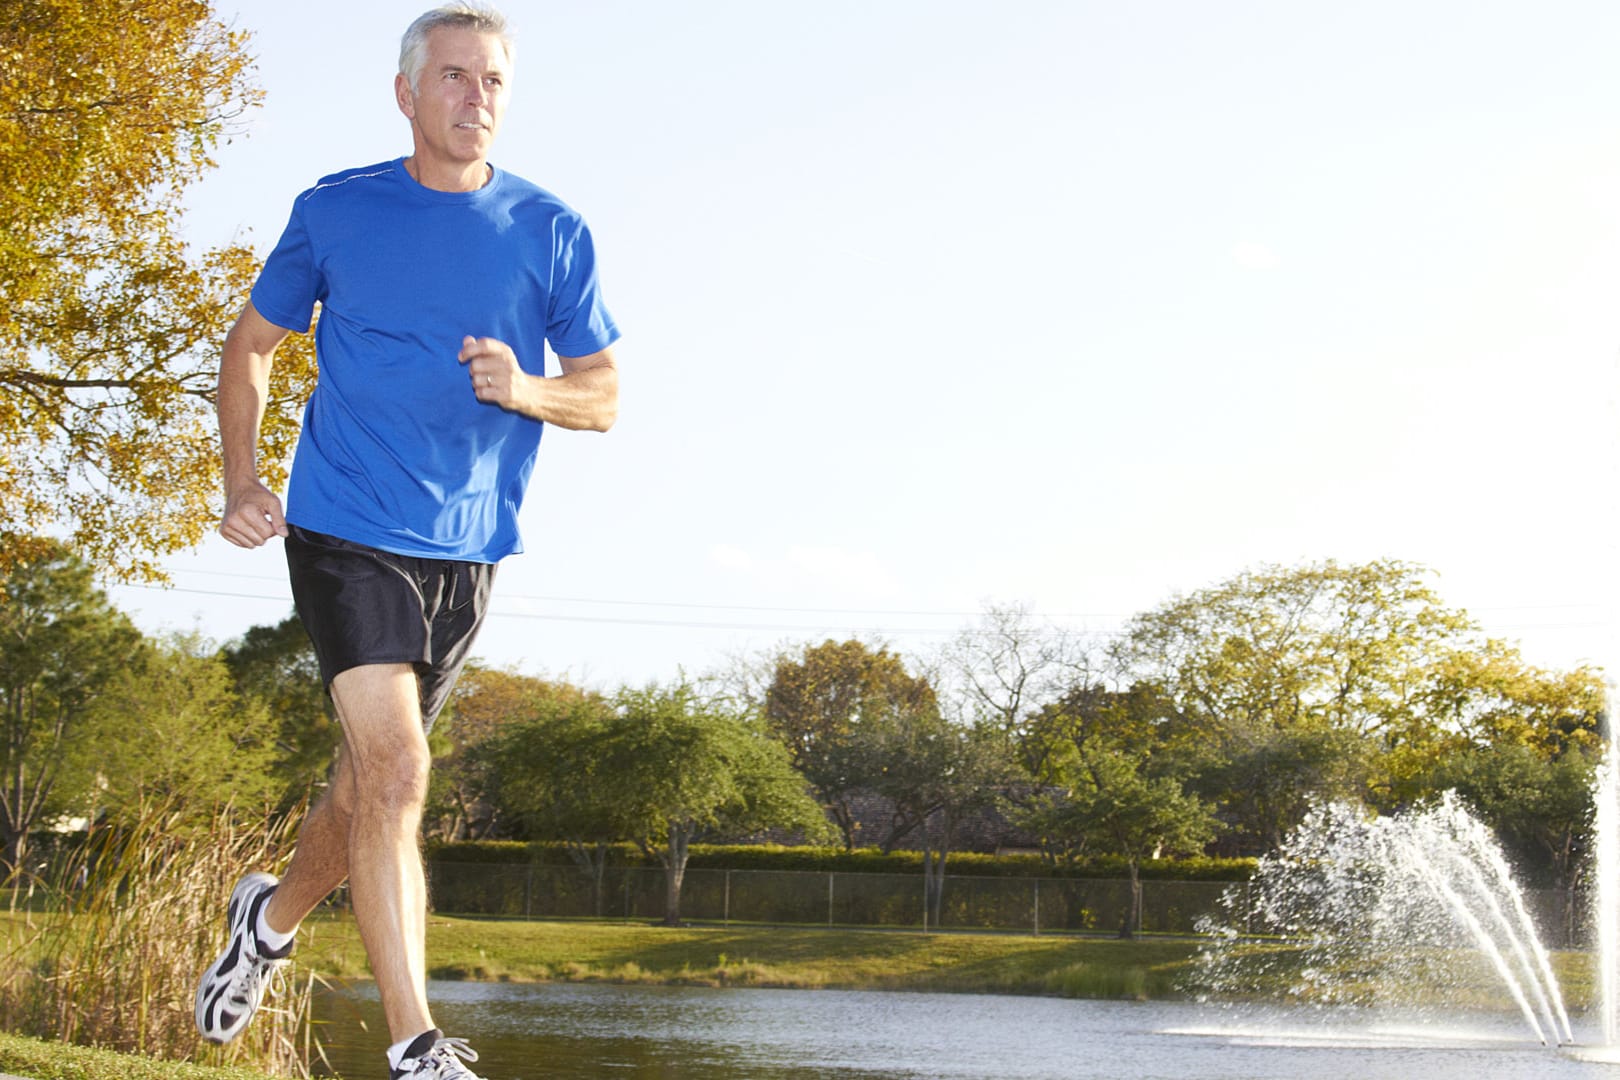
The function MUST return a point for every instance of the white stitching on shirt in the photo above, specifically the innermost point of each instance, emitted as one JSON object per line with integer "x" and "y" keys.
{"x": 346, "y": 179}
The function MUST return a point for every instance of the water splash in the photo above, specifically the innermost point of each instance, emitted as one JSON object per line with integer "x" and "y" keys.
{"x": 1373, "y": 907}
{"x": 1606, "y": 867}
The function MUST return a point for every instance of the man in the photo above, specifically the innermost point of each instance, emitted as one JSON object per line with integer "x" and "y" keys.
{"x": 441, "y": 279}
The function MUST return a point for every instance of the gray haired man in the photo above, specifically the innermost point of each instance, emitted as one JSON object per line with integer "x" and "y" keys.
{"x": 443, "y": 280}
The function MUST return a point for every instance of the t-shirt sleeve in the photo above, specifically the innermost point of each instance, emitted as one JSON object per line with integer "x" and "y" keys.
{"x": 290, "y": 283}
{"x": 578, "y": 322}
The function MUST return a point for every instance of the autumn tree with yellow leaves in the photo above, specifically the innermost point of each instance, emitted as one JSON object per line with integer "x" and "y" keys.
{"x": 110, "y": 325}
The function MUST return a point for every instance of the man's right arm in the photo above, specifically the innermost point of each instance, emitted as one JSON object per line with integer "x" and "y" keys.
{"x": 253, "y": 513}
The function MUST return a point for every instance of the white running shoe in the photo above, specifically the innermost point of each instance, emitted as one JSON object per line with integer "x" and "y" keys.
{"x": 431, "y": 1056}
{"x": 230, "y": 990}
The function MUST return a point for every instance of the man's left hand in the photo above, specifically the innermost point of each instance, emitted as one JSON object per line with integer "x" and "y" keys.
{"x": 493, "y": 368}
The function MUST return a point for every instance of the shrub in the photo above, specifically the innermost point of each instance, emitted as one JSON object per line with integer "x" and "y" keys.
{"x": 859, "y": 861}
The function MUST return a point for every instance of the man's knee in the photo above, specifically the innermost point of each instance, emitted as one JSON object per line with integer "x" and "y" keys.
{"x": 385, "y": 754}
{"x": 394, "y": 777}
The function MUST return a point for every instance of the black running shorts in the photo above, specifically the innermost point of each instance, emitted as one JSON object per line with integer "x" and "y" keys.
{"x": 363, "y": 606}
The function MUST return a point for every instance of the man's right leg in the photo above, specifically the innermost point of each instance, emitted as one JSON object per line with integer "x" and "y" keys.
{"x": 320, "y": 861}
{"x": 230, "y": 990}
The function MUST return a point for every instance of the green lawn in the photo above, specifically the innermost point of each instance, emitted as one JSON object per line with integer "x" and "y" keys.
{"x": 490, "y": 949}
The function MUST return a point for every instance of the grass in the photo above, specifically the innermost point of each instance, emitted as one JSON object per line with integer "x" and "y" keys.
{"x": 42, "y": 1059}
{"x": 618, "y": 952}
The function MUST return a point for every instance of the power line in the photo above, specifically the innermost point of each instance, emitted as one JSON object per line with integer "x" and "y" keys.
{"x": 503, "y": 599}
{"x": 676, "y": 624}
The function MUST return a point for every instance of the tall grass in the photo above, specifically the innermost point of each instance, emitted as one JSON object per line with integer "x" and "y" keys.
{"x": 131, "y": 919}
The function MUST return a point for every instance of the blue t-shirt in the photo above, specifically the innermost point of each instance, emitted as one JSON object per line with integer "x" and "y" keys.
{"x": 396, "y": 452}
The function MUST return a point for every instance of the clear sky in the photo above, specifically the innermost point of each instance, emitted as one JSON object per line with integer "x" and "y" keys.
{"x": 1075, "y": 304}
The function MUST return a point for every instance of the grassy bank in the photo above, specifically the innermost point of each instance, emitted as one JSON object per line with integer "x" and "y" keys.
{"x": 770, "y": 957}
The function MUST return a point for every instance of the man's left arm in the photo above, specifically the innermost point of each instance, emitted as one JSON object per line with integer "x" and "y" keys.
{"x": 585, "y": 397}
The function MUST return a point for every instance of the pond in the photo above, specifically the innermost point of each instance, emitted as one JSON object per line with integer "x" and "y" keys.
{"x": 530, "y": 1032}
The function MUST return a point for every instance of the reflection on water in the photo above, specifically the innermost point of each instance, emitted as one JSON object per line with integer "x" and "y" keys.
{"x": 525, "y": 1032}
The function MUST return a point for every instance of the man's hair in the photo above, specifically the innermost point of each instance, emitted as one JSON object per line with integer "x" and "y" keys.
{"x": 457, "y": 15}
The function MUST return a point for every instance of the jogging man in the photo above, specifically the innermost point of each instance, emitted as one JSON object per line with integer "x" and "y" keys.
{"x": 441, "y": 280}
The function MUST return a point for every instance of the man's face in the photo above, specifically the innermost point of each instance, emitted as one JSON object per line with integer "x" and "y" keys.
{"x": 459, "y": 97}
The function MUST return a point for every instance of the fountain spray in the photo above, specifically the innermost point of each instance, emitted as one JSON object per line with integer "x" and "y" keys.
{"x": 1606, "y": 830}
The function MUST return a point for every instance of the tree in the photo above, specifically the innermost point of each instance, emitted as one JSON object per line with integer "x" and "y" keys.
{"x": 61, "y": 644}
{"x": 1520, "y": 744}
{"x": 686, "y": 770}
{"x": 548, "y": 773}
{"x": 935, "y": 773}
{"x": 817, "y": 704}
{"x": 111, "y": 327}
{"x": 469, "y": 798}
{"x": 171, "y": 730}
{"x": 1285, "y": 672}
{"x": 274, "y": 668}
{"x": 1118, "y": 787}
{"x": 1538, "y": 806}
{"x": 1008, "y": 665}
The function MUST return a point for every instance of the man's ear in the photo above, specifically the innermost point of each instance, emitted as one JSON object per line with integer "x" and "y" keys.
{"x": 403, "y": 96}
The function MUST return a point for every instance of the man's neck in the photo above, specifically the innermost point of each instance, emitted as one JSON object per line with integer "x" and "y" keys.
{"x": 449, "y": 177}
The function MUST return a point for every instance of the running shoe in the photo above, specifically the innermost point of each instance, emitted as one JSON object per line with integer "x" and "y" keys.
{"x": 431, "y": 1056}
{"x": 231, "y": 989}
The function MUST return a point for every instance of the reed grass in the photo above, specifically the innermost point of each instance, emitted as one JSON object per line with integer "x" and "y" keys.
{"x": 129, "y": 921}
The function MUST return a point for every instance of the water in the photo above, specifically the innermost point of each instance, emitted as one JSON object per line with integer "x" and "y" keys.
{"x": 1421, "y": 903}
{"x": 529, "y": 1032}
{"x": 1606, "y": 832}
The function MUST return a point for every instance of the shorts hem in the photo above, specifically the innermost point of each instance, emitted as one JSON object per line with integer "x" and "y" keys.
{"x": 415, "y": 662}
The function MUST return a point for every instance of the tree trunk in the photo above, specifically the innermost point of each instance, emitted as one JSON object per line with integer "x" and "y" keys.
{"x": 934, "y": 871}
{"x": 844, "y": 818}
{"x": 674, "y": 873}
{"x": 1131, "y": 925}
{"x": 591, "y": 860}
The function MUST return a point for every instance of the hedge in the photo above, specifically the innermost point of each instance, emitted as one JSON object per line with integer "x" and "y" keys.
{"x": 859, "y": 861}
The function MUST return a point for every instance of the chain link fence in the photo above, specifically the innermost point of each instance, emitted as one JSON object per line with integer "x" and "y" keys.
{"x": 1030, "y": 905}
{"x": 815, "y": 898}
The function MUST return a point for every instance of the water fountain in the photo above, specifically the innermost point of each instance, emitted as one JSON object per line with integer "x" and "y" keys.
{"x": 1424, "y": 901}
{"x": 1606, "y": 869}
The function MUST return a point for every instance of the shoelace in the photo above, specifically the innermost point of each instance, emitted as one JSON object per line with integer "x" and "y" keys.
{"x": 249, "y": 979}
{"x": 443, "y": 1056}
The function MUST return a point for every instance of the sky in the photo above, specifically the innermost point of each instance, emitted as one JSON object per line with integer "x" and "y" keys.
{"x": 929, "y": 305}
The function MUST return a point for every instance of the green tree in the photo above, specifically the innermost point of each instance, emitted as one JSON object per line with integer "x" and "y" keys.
{"x": 935, "y": 774}
{"x": 1111, "y": 784}
{"x": 273, "y": 668}
{"x": 61, "y": 645}
{"x": 470, "y": 798}
{"x": 111, "y": 328}
{"x": 1520, "y": 744}
{"x": 1294, "y": 683}
{"x": 549, "y": 774}
{"x": 687, "y": 770}
{"x": 173, "y": 731}
{"x": 1539, "y": 806}
{"x": 820, "y": 701}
